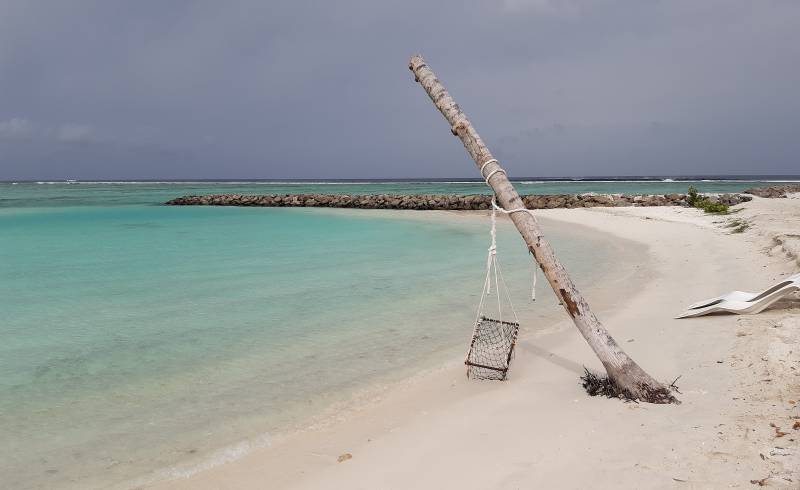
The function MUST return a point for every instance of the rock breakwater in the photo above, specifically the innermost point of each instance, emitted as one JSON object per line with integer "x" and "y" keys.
{"x": 443, "y": 201}
{"x": 774, "y": 191}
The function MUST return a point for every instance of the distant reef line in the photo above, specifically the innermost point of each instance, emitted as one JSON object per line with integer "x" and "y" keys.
{"x": 444, "y": 201}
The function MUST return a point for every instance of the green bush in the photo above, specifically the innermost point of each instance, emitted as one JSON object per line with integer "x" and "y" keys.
{"x": 714, "y": 207}
{"x": 697, "y": 200}
{"x": 692, "y": 197}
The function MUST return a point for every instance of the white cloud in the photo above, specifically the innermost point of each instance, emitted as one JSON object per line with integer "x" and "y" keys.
{"x": 76, "y": 133}
{"x": 15, "y": 129}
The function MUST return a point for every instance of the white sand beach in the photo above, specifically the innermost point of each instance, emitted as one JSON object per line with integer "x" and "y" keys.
{"x": 738, "y": 381}
{"x": 252, "y": 245}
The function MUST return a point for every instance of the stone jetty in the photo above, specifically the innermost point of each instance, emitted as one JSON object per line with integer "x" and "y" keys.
{"x": 443, "y": 201}
{"x": 773, "y": 191}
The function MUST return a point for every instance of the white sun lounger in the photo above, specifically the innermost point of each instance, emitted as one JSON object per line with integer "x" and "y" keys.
{"x": 747, "y": 296}
{"x": 744, "y": 307}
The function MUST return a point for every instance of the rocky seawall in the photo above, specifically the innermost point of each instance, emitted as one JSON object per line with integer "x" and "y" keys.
{"x": 774, "y": 190}
{"x": 444, "y": 201}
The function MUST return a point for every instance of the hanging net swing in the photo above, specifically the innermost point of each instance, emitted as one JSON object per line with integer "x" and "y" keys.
{"x": 495, "y": 334}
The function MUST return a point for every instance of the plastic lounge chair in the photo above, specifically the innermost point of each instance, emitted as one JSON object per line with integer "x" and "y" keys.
{"x": 747, "y": 296}
{"x": 743, "y": 307}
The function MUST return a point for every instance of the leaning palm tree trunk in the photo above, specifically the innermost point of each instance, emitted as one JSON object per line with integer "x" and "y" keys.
{"x": 629, "y": 379}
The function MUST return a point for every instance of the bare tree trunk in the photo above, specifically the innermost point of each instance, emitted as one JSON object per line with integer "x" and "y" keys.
{"x": 623, "y": 372}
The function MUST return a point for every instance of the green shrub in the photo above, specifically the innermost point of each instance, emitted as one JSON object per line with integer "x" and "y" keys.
{"x": 697, "y": 200}
{"x": 714, "y": 207}
{"x": 692, "y": 197}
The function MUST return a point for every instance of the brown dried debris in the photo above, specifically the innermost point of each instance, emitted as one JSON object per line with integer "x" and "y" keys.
{"x": 596, "y": 385}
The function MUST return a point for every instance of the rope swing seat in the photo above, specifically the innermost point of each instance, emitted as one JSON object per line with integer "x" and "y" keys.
{"x": 491, "y": 349}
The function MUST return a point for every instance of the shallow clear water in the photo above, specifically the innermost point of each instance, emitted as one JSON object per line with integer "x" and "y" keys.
{"x": 137, "y": 336}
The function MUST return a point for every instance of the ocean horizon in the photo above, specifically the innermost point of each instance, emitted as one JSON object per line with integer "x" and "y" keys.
{"x": 588, "y": 178}
{"x": 139, "y": 192}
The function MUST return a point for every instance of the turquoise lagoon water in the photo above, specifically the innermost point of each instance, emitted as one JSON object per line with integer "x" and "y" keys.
{"x": 137, "y": 336}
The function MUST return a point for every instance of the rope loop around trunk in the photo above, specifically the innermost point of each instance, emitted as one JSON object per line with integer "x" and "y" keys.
{"x": 495, "y": 207}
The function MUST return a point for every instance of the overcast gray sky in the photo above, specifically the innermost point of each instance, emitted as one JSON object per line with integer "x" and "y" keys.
{"x": 300, "y": 89}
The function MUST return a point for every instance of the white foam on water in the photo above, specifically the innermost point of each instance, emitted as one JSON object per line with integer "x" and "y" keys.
{"x": 219, "y": 457}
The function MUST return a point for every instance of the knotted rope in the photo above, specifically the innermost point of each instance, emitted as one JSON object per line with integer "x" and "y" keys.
{"x": 493, "y": 339}
{"x": 495, "y": 207}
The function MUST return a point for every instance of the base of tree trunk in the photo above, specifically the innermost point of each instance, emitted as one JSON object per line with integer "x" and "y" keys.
{"x": 598, "y": 385}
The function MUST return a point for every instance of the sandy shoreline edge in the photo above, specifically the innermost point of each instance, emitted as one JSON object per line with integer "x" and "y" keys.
{"x": 541, "y": 319}
{"x": 537, "y": 428}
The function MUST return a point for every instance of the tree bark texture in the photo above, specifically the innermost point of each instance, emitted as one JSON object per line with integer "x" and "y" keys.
{"x": 623, "y": 372}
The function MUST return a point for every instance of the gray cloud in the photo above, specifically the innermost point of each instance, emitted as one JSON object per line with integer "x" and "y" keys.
{"x": 320, "y": 89}
{"x": 76, "y": 133}
{"x": 15, "y": 129}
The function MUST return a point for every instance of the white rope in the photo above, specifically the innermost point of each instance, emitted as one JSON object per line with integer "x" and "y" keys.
{"x": 495, "y": 207}
{"x": 493, "y": 246}
{"x": 487, "y": 285}
{"x": 508, "y": 296}
{"x": 498, "y": 169}
{"x": 492, "y": 266}
{"x": 494, "y": 172}
{"x": 487, "y": 162}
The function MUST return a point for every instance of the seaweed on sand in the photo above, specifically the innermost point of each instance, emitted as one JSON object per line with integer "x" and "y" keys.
{"x": 598, "y": 385}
